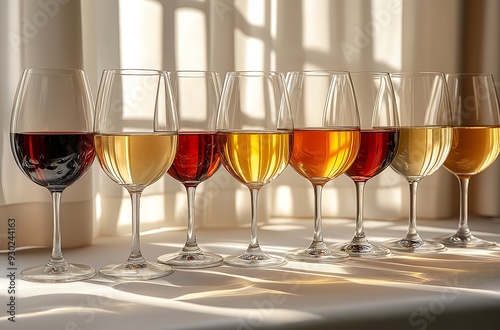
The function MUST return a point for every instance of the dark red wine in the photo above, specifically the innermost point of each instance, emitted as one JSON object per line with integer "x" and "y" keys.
{"x": 376, "y": 152}
{"x": 53, "y": 160}
{"x": 196, "y": 158}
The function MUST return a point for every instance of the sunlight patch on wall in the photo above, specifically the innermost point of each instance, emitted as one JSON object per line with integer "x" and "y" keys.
{"x": 141, "y": 34}
{"x": 190, "y": 39}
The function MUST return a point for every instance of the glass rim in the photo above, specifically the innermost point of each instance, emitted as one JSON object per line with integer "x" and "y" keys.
{"x": 416, "y": 73}
{"x": 378, "y": 73}
{"x": 134, "y": 72}
{"x": 254, "y": 73}
{"x": 53, "y": 71}
{"x": 319, "y": 72}
{"x": 193, "y": 73}
{"x": 469, "y": 74}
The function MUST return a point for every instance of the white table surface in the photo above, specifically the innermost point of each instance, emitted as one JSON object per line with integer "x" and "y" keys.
{"x": 457, "y": 289}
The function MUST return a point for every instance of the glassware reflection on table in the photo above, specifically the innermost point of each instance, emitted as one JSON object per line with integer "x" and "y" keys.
{"x": 379, "y": 138}
{"x": 425, "y": 138}
{"x": 476, "y": 143}
{"x": 254, "y": 137}
{"x": 52, "y": 143}
{"x": 135, "y": 139}
{"x": 326, "y": 140}
{"x": 197, "y": 95}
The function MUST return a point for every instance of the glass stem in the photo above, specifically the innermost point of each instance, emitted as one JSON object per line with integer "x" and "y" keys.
{"x": 317, "y": 241}
{"x": 412, "y": 234}
{"x": 359, "y": 235}
{"x": 463, "y": 231}
{"x": 191, "y": 245}
{"x": 57, "y": 259}
{"x": 135, "y": 254}
{"x": 253, "y": 247}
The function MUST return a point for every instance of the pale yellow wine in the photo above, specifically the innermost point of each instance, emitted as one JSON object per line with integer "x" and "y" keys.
{"x": 421, "y": 150}
{"x": 473, "y": 150}
{"x": 135, "y": 159}
{"x": 255, "y": 158}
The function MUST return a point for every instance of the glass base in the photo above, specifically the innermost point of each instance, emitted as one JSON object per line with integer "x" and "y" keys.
{"x": 363, "y": 250}
{"x": 254, "y": 259}
{"x": 136, "y": 270}
{"x": 317, "y": 254}
{"x": 417, "y": 246}
{"x": 183, "y": 259}
{"x": 58, "y": 274}
{"x": 457, "y": 241}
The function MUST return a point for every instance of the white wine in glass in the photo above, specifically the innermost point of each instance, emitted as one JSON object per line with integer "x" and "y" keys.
{"x": 476, "y": 143}
{"x": 136, "y": 134}
{"x": 254, "y": 137}
{"x": 425, "y": 138}
{"x": 52, "y": 143}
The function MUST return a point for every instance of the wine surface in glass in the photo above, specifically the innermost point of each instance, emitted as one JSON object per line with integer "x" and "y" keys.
{"x": 255, "y": 157}
{"x": 135, "y": 159}
{"x": 473, "y": 149}
{"x": 421, "y": 150}
{"x": 196, "y": 158}
{"x": 53, "y": 159}
{"x": 376, "y": 152}
{"x": 323, "y": 154}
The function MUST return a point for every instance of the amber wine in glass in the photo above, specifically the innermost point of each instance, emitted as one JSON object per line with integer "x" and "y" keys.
{"x": 326, "y": 141}
{"x": 254, "y": 137}
{"x": 476, "y": 143}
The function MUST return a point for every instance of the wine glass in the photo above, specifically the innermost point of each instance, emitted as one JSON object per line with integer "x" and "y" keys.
{"x": 425, "y": 138}
{"x": 197, "y": 95}
{"x": 52, "y": 143}
{"x": 326, "y": 140}
{"x": 476, "y": 135}
{"x": 135, "y": 141}
{"x": 379, "y": 139}
{"x": 254, "y": 137}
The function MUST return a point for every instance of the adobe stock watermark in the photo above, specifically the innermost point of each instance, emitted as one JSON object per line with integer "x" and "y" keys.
{"x": 222, "y": 7}
{"x": 11, "y": 270}
{"x": 86, "y": 312}
{"x": 429, "y": 313}
{"x": 363, "y": 35}
{"x": 264, "y": 308}
{"x": 32, "y": 25}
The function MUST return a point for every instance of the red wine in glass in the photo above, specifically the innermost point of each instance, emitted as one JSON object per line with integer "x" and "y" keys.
{"x": 197, "y": 95}
{"x": 376, "y": 152}
{"x": 53, "y": 160}
{"x": 196, "y": 159}
{"x": 52, "y": 143}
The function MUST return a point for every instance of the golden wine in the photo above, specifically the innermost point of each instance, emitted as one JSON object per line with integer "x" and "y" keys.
{"x": 473, "y": 150}
{"x": 421, "y": 150}
{"x": 255, "y": 158}
{"x": 135, "y": 159}
{"x": 321, "y": 154}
